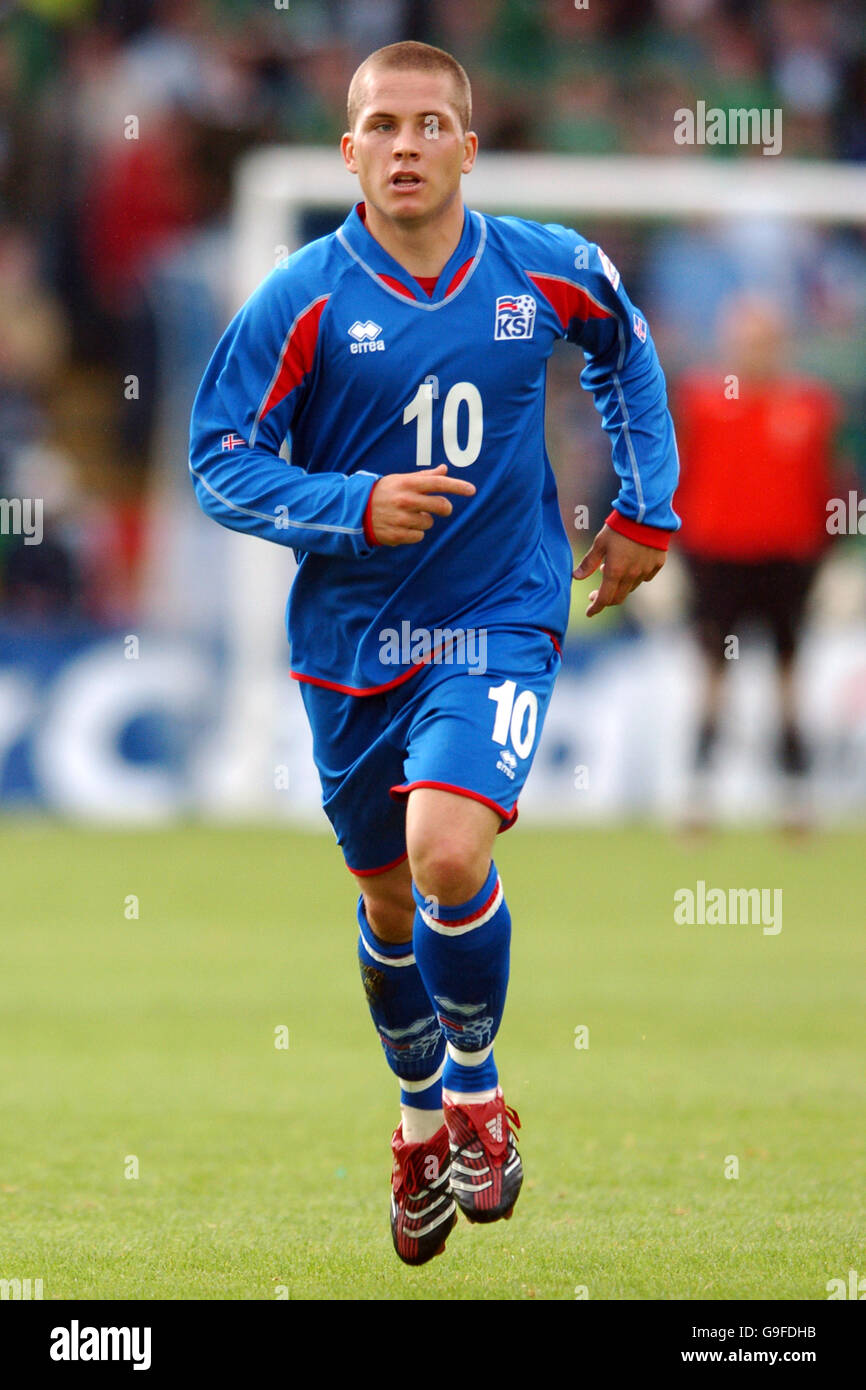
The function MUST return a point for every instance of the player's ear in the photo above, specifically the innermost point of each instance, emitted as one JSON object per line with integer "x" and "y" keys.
{"x": 347, "y": 149}
{"x": 470, "y": 150}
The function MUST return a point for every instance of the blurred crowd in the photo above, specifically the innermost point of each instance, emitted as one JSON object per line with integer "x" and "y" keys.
{"x": 121, "y": 124}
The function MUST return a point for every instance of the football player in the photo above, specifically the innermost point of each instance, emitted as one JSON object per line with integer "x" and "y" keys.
{"x": 404, "y": 358}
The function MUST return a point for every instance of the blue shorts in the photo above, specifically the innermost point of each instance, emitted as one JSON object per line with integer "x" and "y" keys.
{"x": 457, "y": 727}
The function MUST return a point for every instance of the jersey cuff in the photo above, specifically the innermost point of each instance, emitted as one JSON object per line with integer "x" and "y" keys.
{"x": 637, "y": 531}
{"x": 369, "y": 533}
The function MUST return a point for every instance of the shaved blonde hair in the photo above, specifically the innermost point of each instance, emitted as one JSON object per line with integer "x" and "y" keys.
{"x": 412, "y": 57}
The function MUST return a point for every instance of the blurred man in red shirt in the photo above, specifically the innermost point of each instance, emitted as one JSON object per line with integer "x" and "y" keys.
{"x": 757, "y": 457}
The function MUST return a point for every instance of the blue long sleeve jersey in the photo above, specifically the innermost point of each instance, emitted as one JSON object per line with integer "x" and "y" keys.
{"x": 342, "y": 353}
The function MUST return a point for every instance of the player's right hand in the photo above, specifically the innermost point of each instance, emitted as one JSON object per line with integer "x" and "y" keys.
{"x": 403, "y": 505}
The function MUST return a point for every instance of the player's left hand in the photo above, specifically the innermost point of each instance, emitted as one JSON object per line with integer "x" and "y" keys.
{"x": 624, "y": 564}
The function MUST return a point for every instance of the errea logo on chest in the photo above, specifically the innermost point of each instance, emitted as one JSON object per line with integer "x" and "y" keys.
{"x": 515, "y": 317}
{"x": 366, "y": 336}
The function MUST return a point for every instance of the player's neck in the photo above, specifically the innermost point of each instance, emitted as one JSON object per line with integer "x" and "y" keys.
{"x": 421, "y": 249}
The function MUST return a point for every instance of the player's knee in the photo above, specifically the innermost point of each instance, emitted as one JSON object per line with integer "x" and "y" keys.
{"x": 450, "y": 870}
{"x": 391, "y": 916}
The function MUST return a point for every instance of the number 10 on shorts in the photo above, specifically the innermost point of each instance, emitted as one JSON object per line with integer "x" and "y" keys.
{"x": 512, "y": 714}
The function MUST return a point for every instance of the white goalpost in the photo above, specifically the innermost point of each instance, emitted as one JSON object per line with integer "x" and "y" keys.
{"x": 275, "y": 186}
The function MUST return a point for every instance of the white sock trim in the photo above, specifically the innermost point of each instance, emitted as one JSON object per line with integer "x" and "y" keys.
{"x": 470, "y": 1098}
{"x": 450, "y": 929}
{"x": 386, "y": 960}
{"x": 419, "y": 1126}
{"x": 412, "y": 1086}
{"x": 468, "y": 1059}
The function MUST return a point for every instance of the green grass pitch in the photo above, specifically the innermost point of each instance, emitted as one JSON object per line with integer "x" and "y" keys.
{"x": 263, "y": 1171}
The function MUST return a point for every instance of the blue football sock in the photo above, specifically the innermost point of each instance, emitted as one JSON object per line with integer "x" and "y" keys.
{"x": 404, "y": 1017}
{"x": 462, "y": 954}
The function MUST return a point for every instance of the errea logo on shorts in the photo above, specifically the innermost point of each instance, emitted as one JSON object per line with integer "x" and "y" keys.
{"x": 366, "y": 337}
{"x": 515, "y": 317}
{"x": 507, "y": 763}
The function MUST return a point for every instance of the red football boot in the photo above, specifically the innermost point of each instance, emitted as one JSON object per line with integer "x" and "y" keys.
{"x": 423, "y": 1213}
{"x": 486, "y": 1171}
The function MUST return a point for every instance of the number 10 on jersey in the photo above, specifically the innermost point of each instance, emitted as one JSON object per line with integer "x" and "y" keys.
{"x": 420, "y": 409}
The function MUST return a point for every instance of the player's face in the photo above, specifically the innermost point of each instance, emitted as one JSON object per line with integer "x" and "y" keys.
{"x": 408, "y": 148}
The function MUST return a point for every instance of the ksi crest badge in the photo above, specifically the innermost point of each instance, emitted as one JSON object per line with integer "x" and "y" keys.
{"x": 515, "y": 318}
